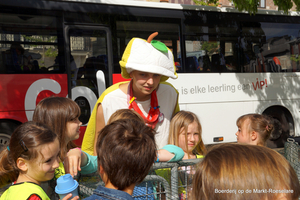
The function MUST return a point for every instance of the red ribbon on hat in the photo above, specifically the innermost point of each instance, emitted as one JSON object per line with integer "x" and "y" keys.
{"x": 153, "y": 114}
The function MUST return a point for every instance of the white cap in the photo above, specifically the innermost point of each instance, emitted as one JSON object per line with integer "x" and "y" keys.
{"x": 152, "y": 57}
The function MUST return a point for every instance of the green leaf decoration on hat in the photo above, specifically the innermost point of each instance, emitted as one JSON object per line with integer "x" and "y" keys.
{"x": 159, "y": 46}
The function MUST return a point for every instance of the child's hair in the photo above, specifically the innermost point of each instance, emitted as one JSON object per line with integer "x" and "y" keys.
{"x": 125, "y": 114}
{"x": 24, "y": 143}
{"x": 183, "y": 119}
{"x": 55, "y": 112}
{"x": 230, "y": 169}
{"x": 261, "y": 124}
{"x": 126, "y": 151}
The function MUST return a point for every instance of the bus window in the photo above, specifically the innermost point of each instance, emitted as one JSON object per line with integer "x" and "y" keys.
{"x": 168, "y": 33}
{"x": 88, "y": 55}
{"x": 210, "y": 45}
{"x": 269, "y": 48}
{"x": 230, "y": 60}
{"x": 203, "y": 55}
{"x": 28, "y": 44}
{"x": 125, "y": 27}
{"x": 89, "y": 65}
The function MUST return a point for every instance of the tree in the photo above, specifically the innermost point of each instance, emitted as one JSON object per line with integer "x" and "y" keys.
{"x": 206, "y": 2}
{"x": 210, "y": 47}
{"x": 251, "y": 5}
{"x": 50, "y": 52}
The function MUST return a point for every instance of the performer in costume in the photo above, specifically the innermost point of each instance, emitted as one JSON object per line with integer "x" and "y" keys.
{"x": 149, "y": 64}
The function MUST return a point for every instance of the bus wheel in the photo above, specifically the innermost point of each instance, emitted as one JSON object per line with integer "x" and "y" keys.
{"x": 283, "y": 126}
{"x": 7, "y": 127}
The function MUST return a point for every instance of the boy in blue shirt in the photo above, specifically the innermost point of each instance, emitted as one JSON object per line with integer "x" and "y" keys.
{"x": 126, "y": 151}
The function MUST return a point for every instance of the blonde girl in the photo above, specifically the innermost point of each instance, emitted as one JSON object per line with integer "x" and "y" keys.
{"x": 253, "y": 129}
{"x": 30, "y": 159}
{"x": 185, "y": 132}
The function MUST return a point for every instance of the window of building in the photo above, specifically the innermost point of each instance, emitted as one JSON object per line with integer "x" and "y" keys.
{"x": 262, "y": 3}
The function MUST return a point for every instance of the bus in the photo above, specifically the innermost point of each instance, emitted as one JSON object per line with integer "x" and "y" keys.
{"x": 229, "y": 63}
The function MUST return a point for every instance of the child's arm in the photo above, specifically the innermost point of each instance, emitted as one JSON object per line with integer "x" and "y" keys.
{"x": 74, "y": 160}
{"x": 77, "y": 160}
{"x": 164, "y": 155}
{"x": 170, "y": 153}
{"x": 90, "y": 166}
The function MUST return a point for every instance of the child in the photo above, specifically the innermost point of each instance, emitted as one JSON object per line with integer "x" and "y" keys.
{"x": 126, "y": 151}
{"x": 253, "y": 129}
{"x": 148, "y": 64}
{"x": 125, "y": 114}
{"x": 168, "y": 153}
{"x": 235, "y": 171}
{"x": 30, "y": 159}
{"x": 185, "y": 132}
{"x": 61, "y": 114}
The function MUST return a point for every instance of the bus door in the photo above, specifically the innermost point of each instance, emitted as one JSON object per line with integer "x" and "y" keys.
{"x": 89, "y": 64}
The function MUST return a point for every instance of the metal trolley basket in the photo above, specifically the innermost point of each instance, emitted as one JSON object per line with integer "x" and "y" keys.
{"x": 174, "y": 183}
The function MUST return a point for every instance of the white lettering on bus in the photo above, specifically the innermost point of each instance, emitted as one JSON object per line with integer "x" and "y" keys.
{"x": 33, "y": 91}
{"x": 48, "y": 84}
{"x": 85, "y": 92}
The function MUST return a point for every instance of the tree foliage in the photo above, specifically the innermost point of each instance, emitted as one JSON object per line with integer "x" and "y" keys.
{"x": 207, "y": 2}
{"x": 210, "y": 47}
{"x": 49, "y": 52}
{"x": 251, "y": 5}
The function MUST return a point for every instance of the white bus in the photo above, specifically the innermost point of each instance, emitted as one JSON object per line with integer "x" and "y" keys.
{"x": 229, "y": 63}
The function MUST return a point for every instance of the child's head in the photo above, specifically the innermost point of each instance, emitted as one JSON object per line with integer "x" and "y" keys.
{"x": 33, "y": 150}
{"x": 185, "y": 132}
{"x": 61, "y": 114}
{"x": 230, "y": 169}
{"x": 253, "y": 129}
{"x": 126, "y": 151}
{"x": 125, "y": 114}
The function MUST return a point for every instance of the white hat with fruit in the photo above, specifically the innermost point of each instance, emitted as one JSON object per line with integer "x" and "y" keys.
{"x": 148, "y": 56}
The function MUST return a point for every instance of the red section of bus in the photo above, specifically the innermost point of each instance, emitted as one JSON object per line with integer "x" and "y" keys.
{"x": 78, "y": 142}
{"x": 19, "y": 116}
{"x": 14, "y": 87}
{"x": 118, "y": 78}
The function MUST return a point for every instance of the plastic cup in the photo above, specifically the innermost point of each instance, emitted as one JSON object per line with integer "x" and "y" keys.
{"x": 66, "y": 185}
